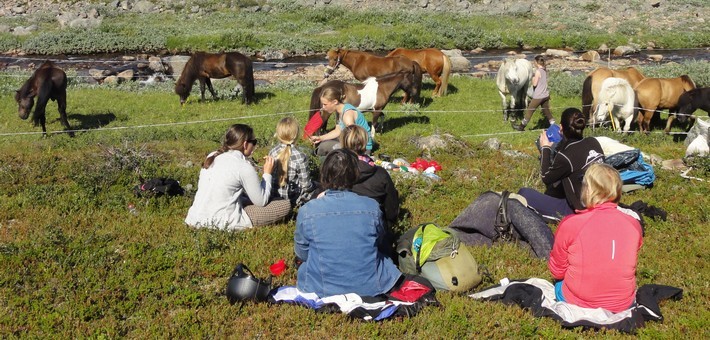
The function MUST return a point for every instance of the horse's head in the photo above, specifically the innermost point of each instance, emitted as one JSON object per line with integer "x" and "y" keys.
{"x": 25, "y": 101}
{"x": 603, "y": 111}
{"x": 510, "y": 69}
{"x": 335, "y": 56}
{"x": 183, "y": 90}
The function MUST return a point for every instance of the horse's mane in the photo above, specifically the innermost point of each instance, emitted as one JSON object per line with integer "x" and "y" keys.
{"x": 685, "y": 78}
{"x": 611, "y": 82}
{"x": 192, "y": 67}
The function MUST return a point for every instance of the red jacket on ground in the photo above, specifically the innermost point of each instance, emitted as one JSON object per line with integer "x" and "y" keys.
{"x": 595, "y": 253}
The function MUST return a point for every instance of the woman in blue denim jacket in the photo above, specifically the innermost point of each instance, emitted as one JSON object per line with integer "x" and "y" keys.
{"x": 339, "y": 237}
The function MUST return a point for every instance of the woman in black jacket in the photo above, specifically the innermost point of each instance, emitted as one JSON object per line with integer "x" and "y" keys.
{"x": 374, "y": 181}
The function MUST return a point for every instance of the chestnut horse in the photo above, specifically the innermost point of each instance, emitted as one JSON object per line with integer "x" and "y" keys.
{"x": 203, "y": 66}
{"x": 364, "y": 65}
{"x": 373, "y": 95}
{"x": 47, "y": 82}
{"x": 593, "y": 83}
{"x": 432, "y": 61}
{"x": 660, "y": 94}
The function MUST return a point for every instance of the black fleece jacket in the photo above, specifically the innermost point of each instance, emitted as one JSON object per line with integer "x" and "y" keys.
{"x": 375, "y": 182}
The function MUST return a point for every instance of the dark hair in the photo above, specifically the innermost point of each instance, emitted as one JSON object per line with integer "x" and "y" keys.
{"x": 234, "y": 139}
{"x": 573, "y": 124}
{"x": 540, "y": 60}
{"x": 339, "y": 170}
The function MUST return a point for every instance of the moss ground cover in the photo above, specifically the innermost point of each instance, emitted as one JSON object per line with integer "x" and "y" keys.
{"x": 77, "y": 263}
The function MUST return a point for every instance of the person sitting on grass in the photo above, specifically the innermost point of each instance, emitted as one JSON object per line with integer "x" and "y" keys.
{"x": 595, "y": 252}
{"x": 339, "y": 238}
{"x": 292, "y": 180}
{"x": 332, "y": 101}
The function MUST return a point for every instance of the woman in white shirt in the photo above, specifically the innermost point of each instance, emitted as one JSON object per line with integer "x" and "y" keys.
{"x": 230, "y": 194}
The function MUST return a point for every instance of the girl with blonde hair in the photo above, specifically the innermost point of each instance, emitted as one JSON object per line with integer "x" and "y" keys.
{"x": 332, "y": 101}
{"x": 292, "y": 180}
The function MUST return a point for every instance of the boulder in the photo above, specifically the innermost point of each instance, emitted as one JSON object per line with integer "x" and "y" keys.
{"x": 557, "y": 53}
{"x": 126, "y": 75}
{"x": 143, "y": 6}
{"x": 655, "y": 57}
{"x": 591, "y": 56}
{"x": 458, "y": 62}
{"x": 111, "y": 80}
{"x": 624, "y": 50}
{"x": 156, "y": 64}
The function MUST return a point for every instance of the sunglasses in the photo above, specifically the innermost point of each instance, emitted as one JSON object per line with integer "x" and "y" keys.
{"x": 253, "y": 141}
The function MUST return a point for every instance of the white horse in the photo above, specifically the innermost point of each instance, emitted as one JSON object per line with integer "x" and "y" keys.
{"x": 515, "y": 79}
{"x": 617, "y": 99}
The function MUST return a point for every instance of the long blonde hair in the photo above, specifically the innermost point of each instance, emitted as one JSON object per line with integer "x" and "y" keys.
{"x": 287, "y": 133}
{"x": 601, "y": 184}
{"x": 354, "y": 138}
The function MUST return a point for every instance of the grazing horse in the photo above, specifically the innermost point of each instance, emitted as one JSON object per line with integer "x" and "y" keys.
{"x": 618, "y": 100}
{"x": 593, "y": 83}
{"x": 432, "y": 61}
{"x": 373, "y": 95}
{"x": 203, "y": 66}
{"x": 514, "y": 78}
{"x": 364, "y": 65}
{"x": 660, "y": 94}
{"x": 692, "y": 100}
{"x": 47, "y": 82}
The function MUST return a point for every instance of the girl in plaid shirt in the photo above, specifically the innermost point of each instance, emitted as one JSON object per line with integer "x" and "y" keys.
{"x": 291, "y": 178}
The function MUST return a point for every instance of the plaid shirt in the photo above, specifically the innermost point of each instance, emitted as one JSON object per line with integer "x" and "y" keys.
{"x": 298, "y": 180}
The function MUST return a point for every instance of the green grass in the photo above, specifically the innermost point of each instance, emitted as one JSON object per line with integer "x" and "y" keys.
{"x": 77, "y": 264}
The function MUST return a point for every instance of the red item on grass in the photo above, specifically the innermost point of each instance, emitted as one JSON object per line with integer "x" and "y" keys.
{"x": 278, "y": 267}
{"x": 313, "y": 125}
{"x": 410, "y": 291}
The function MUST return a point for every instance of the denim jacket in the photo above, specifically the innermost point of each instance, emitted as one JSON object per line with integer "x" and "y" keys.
{"x": 337, "y": 236}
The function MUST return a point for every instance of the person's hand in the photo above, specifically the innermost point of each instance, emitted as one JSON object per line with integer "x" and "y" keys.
{"x": 544, "y": 141}
{"x": 315, "y": 139}
{"x": 268, "y": 165}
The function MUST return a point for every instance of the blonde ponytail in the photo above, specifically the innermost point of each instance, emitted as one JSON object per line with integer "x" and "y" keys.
{"x": 287, "y": 133}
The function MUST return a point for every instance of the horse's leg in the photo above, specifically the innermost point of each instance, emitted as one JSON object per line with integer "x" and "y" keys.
{"x": 627, "y": 122}
{"x": 375, "y": 117}
{"x": 209, "y": 86}
{"x": 671, "y": 117}
{"x": 616, "y": 121}
{"x": 62, "y": 106}
{"x": 644, "y": 120}
{"x": 505, "y": 106}
{"x": 202, "y": 88}
{"x": 437, "y": 87}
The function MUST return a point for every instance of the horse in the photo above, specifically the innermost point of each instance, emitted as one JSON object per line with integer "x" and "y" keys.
{"x": 592, "y": 84}
{"x": 617, "y": 99}
{"x": 364, "y": 65}
{"x": 514, "y": 78}
{"x": 203, "y": 66}
{"x": 47, "y": 82}
{"x": 692, "y": 100}
{"x": 432, "y": 61}
{"x": 372, "y": 95}
{"x": 659, "y": 94}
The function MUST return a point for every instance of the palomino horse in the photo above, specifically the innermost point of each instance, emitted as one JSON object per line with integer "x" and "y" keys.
{"x": 203, "y": 66}
{"x": 364, "y": 65}
{"x": 618, "y": 100}
{"x": 434, "y": 62}
{"x": 47, "y": 82}
{"x": 660, "y": 94}
{"x": 373, "y": 95}
{"x": 691, "y": 101}
{"x": 593, "y": 83}
{"x": 514, "y": 79}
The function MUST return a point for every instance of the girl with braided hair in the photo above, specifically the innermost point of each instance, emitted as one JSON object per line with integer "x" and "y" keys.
{"x": 291, "y": 179}
{"x": 230, "y": 194}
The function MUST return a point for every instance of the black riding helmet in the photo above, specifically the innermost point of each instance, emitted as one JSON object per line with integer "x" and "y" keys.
{"x": 242, "y": 286}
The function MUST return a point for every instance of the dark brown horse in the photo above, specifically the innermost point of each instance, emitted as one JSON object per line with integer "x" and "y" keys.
{"x": 434, "y": 62}
{"x": 593, "y": 84}
{"x": 692, "y": 100}
{"x": 660, "y": 94}
{"x": 373, "y": 95}
{"x": 47, "y": 82}
{"x": 203, "y": 66}
{"x": 364, "y": 65}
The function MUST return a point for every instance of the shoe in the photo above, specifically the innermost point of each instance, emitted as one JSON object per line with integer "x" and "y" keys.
{"x": 517, "y": 126}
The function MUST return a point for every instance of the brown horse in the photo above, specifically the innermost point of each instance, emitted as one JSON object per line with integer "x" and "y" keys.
{"x": 660, "y": 94}
{"x": 364, "y": 65}
{"x": 203, "y": 66}
{"x": 47, "y": 82}
{"x": 434, "y": 62}
{"x": 593, "y": 84}
{"x": 373, "y": 95}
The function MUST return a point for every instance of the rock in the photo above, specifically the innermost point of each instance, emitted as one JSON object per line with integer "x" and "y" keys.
{"x": 93, "y": 13}
{"x": 4, "y": 29}
{"x": 111, "y": 80}
{"x": 477, "y": 50}
{"x": 458, "y": 62}
{"x": 624, "y": 50}
{"x": 126, "y": 75}
{"x": 128, "y": 58}
{"x": 98, "y": 74}
{"x": 176, "y": 64}
{"x": 591, "y": 56}
{"x": 156, "y": 64}
{"x": 557, "y": 53}
{"x": 143, "y": 6}
{"x": 272, "y": 55}
{"x": 519, "y": 9}
{"x": 280, "y": 65}
{"x": 603, "y": 48}
{"x": 655, "y": 57}
{"x": 423, "y": 3}
{"x": 19, "y": 30}
{"x": 515, "y": 154}
{"x": 492, "y": 143}
{"x": 653, "y": 159}
{"x": 65, "y": 18}
{"x": 18, "y": 10}
{"x": 85, "y": 23}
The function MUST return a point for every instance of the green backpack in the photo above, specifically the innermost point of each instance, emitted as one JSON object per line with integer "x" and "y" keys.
{"x": 438, "y": 255}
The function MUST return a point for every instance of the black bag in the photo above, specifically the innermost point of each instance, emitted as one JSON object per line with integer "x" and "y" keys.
{"x": 494, "y": 217}
{"x": 158, "y": 187}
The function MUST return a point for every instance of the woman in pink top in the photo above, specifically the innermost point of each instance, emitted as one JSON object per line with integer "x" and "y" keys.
{"x": 596, "y": 251}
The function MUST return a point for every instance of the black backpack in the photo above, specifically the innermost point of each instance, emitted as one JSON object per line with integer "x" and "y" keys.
{"x": 157, "y": 187}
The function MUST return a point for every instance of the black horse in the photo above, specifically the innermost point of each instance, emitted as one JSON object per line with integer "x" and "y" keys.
{"x": 692, "y": 100}
{"x": 203, "y": 66}
{"x": 47, "y": 82}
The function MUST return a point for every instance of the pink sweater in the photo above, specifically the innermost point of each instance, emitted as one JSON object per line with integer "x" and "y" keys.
{"x": 595, "y": 252}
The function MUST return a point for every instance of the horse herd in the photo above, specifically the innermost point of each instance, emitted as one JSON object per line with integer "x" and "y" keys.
{"x": 620, "y": 94}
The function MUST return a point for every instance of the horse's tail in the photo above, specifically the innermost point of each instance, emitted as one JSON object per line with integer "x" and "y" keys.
{"x": 445, "y": 73}
{"x": 417, "y": 72}
{"x": 587, "y": 97}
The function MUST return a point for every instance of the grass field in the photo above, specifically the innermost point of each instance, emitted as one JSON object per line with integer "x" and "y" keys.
{"x": 77, "y": 263}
